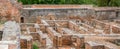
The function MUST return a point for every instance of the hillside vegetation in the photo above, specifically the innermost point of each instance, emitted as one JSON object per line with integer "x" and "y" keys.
{"x": 93, "y": 2}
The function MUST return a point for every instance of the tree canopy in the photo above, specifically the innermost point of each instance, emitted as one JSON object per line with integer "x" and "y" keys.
{"x": 93, "y": 2}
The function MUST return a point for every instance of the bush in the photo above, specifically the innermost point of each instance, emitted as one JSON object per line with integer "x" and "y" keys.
{"x": 35, "y": 46}
{"x": 93, "y": 2}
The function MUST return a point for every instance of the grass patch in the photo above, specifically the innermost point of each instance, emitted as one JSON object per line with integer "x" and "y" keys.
{"x": 35, "y": 46}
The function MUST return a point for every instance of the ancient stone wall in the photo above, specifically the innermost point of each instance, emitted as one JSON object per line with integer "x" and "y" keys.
{"x": 58, "y": 12}
{"x": 118, "y": 14}
{"x": 99, "y": 13}
{"x": 32, "y": 13}
{"x": 103, "y": 15}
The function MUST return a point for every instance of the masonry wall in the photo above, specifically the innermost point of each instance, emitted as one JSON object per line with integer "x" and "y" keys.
{"x": 57, "y": 12}
{"x": 103, "y": 15}
{"x": 32, "y": 13}
{"x": 118, "y": 13}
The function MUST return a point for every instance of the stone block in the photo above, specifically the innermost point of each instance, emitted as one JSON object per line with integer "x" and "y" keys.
{"x": 93, "y": 45}
{"x": 115, "y": 29}
{"x": 32, "y": 29}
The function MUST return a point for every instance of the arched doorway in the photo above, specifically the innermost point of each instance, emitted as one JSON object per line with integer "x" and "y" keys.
{"x": 22, "y": 19}
{"x": 1, "y": 33}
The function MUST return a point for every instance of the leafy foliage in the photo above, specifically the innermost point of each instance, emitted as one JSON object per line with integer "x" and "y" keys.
{"x": 94, "y": 2}
{"x": 35, "y": 46}
{"x": 108, "y": 3}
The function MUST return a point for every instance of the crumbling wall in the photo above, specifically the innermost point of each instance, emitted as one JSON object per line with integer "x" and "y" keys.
{"x": 104, "y": 15}
{"x": 118, "y": 14}
{"x": 115, "y": 29}
{"x": 31, "y": 13}
{"x": 73, "y": 26}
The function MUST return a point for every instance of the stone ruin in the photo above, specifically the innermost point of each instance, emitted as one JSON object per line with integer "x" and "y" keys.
{"x": 63, "y": 27}
{"x": 59, "y": 26}
{"x": 10, "y": 34}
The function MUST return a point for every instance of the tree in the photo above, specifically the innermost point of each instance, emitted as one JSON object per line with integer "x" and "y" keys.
{"x": 114, "y": 3}
{"x": 108, "y": 3}
{"x": 94, "y": 2}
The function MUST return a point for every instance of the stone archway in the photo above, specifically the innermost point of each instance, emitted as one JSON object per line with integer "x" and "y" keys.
{"x": 22, "y": 20}
{"x": 1, "y": 33}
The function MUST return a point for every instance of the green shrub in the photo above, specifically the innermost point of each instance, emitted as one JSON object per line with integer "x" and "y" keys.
{"x": 93, "y": 2}
{"x": 35, "y": 46}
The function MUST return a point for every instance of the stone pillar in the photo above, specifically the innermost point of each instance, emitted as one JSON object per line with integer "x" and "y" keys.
{"x": 78, "y": 43}
{"x": 38, "y": 21}
{"x": 55, "y": 41}
{"x": 23, "y": 44}
{"x": 26, "y": 42}
{"x": 29, "y": 44}
{"x": 59, "y": 41}
{"x": 107, "y": 29}
{"x": 44, "y": 42}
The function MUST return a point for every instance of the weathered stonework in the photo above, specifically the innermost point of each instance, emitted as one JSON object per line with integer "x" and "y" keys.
{"x": 100, "y": 13}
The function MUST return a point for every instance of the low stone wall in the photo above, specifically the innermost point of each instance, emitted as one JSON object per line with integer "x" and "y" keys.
{"x": 118, "y": 13}
{"x": 32, "y": 13}
{"x": 104, "y": 15}
{"x": 99, "y": 13}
